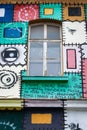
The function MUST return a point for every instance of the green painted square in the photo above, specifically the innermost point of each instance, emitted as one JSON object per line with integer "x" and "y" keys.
{"x": 11, "y": 120}
{"x": 15, "y": 26}
{"x": 51, "y": 11}
{"x": 86, "y": 12}
{"x": 49, "y": 89}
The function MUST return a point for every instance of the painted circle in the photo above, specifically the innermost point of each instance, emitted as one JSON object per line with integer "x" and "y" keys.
{"x": 7, "y": 79}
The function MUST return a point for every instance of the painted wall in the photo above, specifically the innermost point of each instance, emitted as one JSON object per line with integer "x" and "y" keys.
{"x": 14, "y": 27}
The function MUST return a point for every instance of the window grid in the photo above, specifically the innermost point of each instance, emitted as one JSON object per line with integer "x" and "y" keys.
{"x": 45, "y": 59}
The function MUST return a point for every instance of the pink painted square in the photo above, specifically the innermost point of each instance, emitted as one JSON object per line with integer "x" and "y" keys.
{"x": 71, "y": 58}
{"x": 26, "y": 12}
{"x": 84, "y": 73}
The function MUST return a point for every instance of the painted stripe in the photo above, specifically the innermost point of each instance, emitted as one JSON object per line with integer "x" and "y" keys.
{"x": 84, "y": 73}
{"x": 71, "y": 58}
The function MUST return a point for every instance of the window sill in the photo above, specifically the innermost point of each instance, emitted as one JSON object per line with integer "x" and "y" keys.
{"x": 44, "y": 78}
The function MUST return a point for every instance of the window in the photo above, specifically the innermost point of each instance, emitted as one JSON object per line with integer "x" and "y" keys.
{"x": 44, "y": 50}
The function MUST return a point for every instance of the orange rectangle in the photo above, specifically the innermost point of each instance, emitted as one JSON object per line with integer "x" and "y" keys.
{"x": 41, "y": 118}
{"x": 48, "y": 11}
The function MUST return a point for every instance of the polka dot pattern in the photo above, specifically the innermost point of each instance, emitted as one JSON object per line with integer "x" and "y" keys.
{"x": 26, "y": 12}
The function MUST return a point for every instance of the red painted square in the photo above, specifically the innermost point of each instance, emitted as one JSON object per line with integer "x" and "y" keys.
{"x": 26, "y": 12}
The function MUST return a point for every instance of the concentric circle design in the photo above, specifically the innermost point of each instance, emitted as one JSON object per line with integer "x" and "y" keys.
{"x": 7, "y": 79}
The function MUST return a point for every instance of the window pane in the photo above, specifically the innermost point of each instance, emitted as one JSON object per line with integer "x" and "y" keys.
{"x": 36, "y": 69}
{"x": 53, "y": 32}
{"x": 37, "y": 32}
{"x": 53, "y": 69}
{"x": 53, "y": 51}
{"x": 36, "y": 51}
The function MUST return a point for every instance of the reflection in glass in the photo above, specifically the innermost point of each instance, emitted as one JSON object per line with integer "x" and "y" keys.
{"x": 53, "y": 32}
{"x": 37, "y": 32}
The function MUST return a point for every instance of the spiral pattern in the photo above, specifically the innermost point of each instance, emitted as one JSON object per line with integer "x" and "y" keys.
{"x": 7, "y": 79}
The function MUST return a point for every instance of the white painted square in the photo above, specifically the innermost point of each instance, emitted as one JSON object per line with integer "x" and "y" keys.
{"x": 2, "y": 12}
{"x": 74, "y": 32}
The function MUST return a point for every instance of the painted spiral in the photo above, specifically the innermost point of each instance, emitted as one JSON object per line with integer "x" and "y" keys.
{"x": 7, "y": 79}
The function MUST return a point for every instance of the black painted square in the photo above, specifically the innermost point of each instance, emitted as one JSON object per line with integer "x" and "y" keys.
{"x": 74, "y": 11}
{"x": 57, "y": 119}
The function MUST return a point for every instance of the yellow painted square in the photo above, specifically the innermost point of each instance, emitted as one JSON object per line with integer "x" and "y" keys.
{"x": 48, "y": 11}
{"x": 41, "y": 118}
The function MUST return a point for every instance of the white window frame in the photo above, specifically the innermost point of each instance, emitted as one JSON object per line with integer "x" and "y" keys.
{"x": 45, "y": 47}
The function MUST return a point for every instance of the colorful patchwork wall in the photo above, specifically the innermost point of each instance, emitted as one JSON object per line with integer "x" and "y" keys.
{"x": 66, "y": 115}
{"x": 14, "y": 33}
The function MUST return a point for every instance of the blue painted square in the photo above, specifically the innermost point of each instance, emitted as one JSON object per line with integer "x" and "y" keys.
{"x": 6, "y": 13}
{"x": 12, "y": 32}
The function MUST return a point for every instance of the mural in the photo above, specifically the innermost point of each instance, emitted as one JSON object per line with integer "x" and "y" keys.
{"x": 74, "y": 32}
{"x": 76, "y": 119}
{"x": 14, "y": 50}
{"x": 8, "y": 120}
{"x": 13, "y": 55}
{"x": 51, "y": 11}
{"x": 13, "y": 33}
{"x": 26, "y": 12}
{"x": 49, "y": 118}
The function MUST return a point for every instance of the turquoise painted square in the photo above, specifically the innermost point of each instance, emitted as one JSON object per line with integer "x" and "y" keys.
{"x": 11, "y": 120}
{"x": 53, "y": 89}
{"x": 86, "y": 12}
{"x": 54, "y": 11}
{"x": 13, "y": 33}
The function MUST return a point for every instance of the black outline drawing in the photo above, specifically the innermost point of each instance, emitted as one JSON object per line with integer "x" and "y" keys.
{"x": 7, "y": 79}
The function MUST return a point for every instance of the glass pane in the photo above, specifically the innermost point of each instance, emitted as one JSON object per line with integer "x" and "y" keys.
{"x": 36, "y": 69}
{"x": 36, "y": 51}
{"x": 37, "y": 32}
{"x": 53, "y": 32}
{"x": 53, "y": 51}
{"x": 53, "y": 69}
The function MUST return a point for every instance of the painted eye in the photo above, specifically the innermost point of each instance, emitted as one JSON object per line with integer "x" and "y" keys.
{"x": 10, "y": 54}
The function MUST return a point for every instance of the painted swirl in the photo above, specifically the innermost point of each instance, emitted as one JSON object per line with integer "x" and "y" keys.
{"x": 7, "y": 79}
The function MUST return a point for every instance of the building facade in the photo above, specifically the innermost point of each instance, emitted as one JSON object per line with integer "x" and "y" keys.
{"x": 43, "y": 60}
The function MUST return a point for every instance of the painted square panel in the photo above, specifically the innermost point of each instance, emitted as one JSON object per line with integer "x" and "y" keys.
{"x": 76, "y": 119}
{"x": 72, "y": 58}
{"x": 13, "y": 55}
{"x": 10, "y": 81}
{"x": 6, "y": 12}
{"x": 85, "y": 11}
{"x": 14, "y": 33}
{"x": 55, "y": 114}
{"x": 51, "y": 11}
{"x": 41, "y": 118}
{"x": 84, "y": 50}
{"x": 11, "y": 120}
{"x": 74, "y": 32}
{"x": 48, "y": 11}
{"x": 49, "y": 89}
{"x": 73, "y": 12}
{"x": 26, "y": 12}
